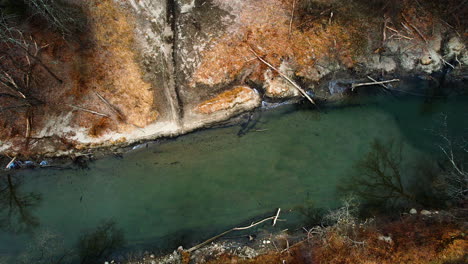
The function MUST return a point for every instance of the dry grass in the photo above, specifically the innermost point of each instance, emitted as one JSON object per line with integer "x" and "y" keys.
{"x": 415, "y": 241}
{"x": 264, "y": 26}
{"x": 317, "y": 42}
{"x": 110, "y": 68}
{"x": 102, "y": 59}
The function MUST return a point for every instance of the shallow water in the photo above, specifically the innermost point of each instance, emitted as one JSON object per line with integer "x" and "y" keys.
{"x": 177, "y": 192}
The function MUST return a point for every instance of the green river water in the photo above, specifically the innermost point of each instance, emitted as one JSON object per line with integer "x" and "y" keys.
{"x": 181, "y": 191}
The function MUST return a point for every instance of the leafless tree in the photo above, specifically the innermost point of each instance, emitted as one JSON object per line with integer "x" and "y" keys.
{"x": 19, "y": 58}
{"x": 454, "y": 179}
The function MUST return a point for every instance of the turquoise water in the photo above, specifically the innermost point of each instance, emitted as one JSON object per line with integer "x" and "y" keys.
{"x": 181, "y": 191}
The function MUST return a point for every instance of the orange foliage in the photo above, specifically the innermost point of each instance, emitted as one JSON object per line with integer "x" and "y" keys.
{"x": 414, "y": 241}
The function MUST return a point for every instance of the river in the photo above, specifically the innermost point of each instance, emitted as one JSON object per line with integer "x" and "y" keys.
{"x": 180, "y": 191}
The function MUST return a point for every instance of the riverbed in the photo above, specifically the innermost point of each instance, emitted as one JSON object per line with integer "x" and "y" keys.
{"x": 180, "y": 191}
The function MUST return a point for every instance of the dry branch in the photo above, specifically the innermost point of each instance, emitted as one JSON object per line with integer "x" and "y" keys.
{"x": 354, "y": 85}
{"x": 414, "y": 28}
{"x": 28, "y": 125}
{"x": 87, "y": 110}
{"x": 284, "y": 77}
{"x": 274, "y": 218}
{"x": 398, "y": 34}
{"x": 292, "y": 17}
{"x": 112, "y": 108}
{"x": 375, "y": 81}
{"x": 11, "y": 162}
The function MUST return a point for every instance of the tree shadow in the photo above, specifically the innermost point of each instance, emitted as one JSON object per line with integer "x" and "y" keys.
{"x": 100, "y": 243}
{"x": 16, "y": 206}
{"x": 378, "y": 178}
{"x": 384, "y": 183}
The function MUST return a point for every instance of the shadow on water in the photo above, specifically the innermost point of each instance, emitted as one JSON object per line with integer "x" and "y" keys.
{"x": 16, "y": 206}
{"x": 94, "y": 246}
{"x": 385, "y": 183}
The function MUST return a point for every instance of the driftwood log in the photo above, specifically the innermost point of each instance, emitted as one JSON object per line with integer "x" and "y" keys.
{"x": 274, "y": 218}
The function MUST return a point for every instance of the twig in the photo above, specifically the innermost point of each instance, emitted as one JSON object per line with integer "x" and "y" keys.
{"x": 115, "y": 110}
{"x": 11, "y": 162}
{"x": 28, "y": 125}
{"x": 285, "y": 77}
{"x": 354, "y": 85}
{"x": 234, "y": 229}
{"x": 274, "y": 244}
{"x": 446, "y": 62}
{"x": 398, "y": 33}
{"x": 276, "y": 217}
{"x": 384, "y": 31}
{"x": 287, "y": 247}
{"x": 458, "y": 61}
{"x": 414, "y": 28}
{"x": 292, "y": 17}
{"x": 89, "y": 111}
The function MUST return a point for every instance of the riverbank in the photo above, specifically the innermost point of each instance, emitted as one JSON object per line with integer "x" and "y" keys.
{"x": 408, "y": 87}
{"x": 185, "y": 65}
{"x": 414, "y": 237}
{"x": 184, "y": 190}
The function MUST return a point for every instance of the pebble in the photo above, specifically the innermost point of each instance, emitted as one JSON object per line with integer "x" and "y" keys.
{"x": 425, "y": 212}
{"x": 387, "y": 239}
{"x": 413, "y": 211}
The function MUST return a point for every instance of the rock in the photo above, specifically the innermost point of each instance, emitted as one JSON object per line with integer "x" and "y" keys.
{"x": 425, "y": 212}
{"x": 29, "y": 164}
{"x": 426, "y": 60}
{"x": 230, "y": 99}
{"x": 382, "y": 63}
{"x": 248, "y": 252}
{"x": 152, "y": 256}
{"x": 454, "y": 47}
{"x": 413, "y": 211}
{"x": 280, "y": 88}
{"x": 387, "y": 239}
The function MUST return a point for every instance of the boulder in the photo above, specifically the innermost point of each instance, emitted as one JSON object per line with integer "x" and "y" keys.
{"x": 228, "y": 100}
